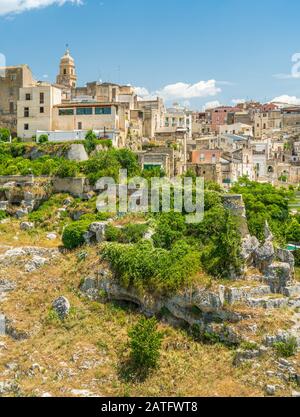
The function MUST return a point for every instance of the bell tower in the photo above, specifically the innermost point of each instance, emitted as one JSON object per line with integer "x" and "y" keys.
{"x": 67, "y": 71}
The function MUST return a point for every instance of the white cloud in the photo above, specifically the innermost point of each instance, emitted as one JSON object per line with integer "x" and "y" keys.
{"x": 211, "y": 105}
{"x": 141, "y": 92}
{"x": 189, "y": 91}
{"x": 236, "y": 101}
{"x": 19, "y": 6}
{"x": 293, "y": 100}
{"x": 181, "y": 91}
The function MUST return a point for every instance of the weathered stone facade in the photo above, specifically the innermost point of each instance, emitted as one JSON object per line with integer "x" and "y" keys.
{"x": 14, "y": 78}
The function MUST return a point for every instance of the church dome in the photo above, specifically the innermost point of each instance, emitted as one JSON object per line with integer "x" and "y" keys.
{"x": 67, "y": 57}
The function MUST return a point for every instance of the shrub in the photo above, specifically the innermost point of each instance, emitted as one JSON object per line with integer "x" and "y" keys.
{"x": 4, "y": 135}
{"x": 3, "y": 215}
{"x": 113, "y": 234}
{"x": 287, "y": 348}
{"x": 68, "y": 169}
{"x": 170, "y": 228}
{"x": 145, "y": 344}
{"x": 296, "y": 254}
{"x": 43, "y": 139}
{"x": 44, "y": 215}
{"x": 131, "y": 233}
{"x": 153, "y": 269}
{"x": 90, "y": 141}
{"x": 73, "y": 234}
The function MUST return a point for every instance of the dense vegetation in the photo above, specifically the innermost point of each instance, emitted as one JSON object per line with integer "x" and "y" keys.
{"x": 131, "y": 233}
{"x": 145, "y": 267}
{"x": 49, "y": 159}
{"x": 265, "y": 202}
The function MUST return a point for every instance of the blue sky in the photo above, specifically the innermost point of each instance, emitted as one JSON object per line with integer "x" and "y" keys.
{"x": 191, "y": 51}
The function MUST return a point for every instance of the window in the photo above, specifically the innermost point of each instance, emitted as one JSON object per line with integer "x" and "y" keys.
{"x": 81, "y": 111}
{"x": 103, "y": 110}
{"x": 42, "y": 110}
{"x": 26, "y": 111}
{"x": 42, "y": 98}
{"x": 27, "y": 96}
{"x": 26, "y": 126}
{"x": 13, "y": 77}
{"x": 11, "y": 107}
{"x": 79, "y": 125}
{"x": 65, "y": 112}
{"x": 65, "y": 72}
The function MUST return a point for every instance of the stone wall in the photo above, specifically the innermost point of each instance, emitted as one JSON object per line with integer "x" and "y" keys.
{"x": 18, "y": 179}
{"x": 74, "y": 186}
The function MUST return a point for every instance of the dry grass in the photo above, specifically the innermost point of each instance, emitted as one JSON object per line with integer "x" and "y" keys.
{"x": 11, "y": 235}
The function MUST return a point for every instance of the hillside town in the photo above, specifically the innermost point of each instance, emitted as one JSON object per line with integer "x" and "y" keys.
{"x": 149, "y": 203}
{"x": 221, "y": 144}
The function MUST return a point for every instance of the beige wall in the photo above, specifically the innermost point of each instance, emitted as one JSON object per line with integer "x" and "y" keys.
{"x": 94, "y": 121}
{"x": 237, "y": 129}
{"x": 37, "y": 120}
{"x": 14, "y": 79}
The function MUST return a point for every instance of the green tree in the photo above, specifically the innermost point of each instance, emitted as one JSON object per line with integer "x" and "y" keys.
{"x": 4, "y": 135}
{"x": 73, "y": 234}
{"x": 67, "y": 169}
{"x": 293, "y": 232}
{"x": 43, "y": 139}
{"x": 145, "y": 344}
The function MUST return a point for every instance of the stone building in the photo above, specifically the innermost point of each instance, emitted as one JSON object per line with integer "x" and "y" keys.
{"x": 75, "y": 116}
{"x": 35, "y": 109}
{"x": 154, "y": 116}
{"x": 237, "y": 129}
{"x": 267, "y": 122}
{"x": 15, "y": 78}
{"x": 178, "y": 118}
{"x": 219, "y": 117}
{"x": 162, "y": 157}
{"x": 291, "y": 118}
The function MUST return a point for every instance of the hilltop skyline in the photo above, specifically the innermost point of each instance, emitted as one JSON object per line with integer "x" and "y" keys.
{"x": 192, "y": 53}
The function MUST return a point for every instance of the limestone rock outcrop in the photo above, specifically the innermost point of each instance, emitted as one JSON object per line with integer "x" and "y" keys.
{"x": 62, "y": 307}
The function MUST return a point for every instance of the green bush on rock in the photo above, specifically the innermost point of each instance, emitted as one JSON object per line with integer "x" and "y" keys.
{"x": 147, "y": 268}
{"x": 73, "y": 234}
